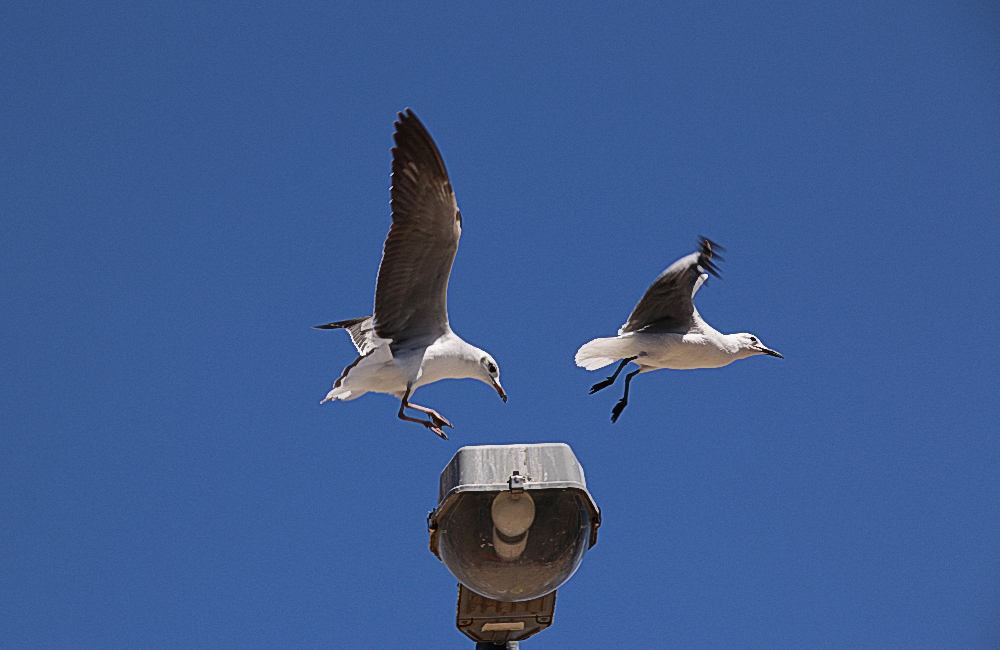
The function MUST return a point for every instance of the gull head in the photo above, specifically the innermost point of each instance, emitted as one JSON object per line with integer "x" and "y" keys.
{"x": 489, "y": 373}
{"x": 750, "y": 345}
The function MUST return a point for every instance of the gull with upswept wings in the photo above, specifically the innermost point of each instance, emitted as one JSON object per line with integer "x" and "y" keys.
{"x": 665, "y": 329}
{"x": 408, "y": 343}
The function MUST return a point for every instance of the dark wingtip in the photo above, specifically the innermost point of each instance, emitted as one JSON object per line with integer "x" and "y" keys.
{"x": 707, "y": 249}
{"x": 405, "y": 114}
{"x": 401, "y": 117}
{"x": 708, "y": 265}
{"x": 328, "y": 326}
{"x": 410, "y": 133}
{"x": 713, "y": 246}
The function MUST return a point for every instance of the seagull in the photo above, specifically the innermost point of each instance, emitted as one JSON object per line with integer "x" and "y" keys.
{"x": 408, "y": 342}
{"x": 665, "y": 329}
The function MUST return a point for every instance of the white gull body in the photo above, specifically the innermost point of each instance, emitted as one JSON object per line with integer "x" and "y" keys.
{"x": 665, "y": 330}
{"x": 408, "y": 342}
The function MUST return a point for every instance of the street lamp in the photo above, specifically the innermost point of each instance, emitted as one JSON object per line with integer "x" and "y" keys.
{"x": 512, "y": 524}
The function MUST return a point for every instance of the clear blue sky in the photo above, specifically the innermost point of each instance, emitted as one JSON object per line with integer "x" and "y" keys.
{"x": 185, "y": 190}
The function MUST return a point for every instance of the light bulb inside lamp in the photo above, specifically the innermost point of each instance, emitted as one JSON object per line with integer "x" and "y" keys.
{"x": 513, "y": 514}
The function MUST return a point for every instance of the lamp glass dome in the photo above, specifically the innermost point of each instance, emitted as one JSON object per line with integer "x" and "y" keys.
{"x": 514, "y": 547}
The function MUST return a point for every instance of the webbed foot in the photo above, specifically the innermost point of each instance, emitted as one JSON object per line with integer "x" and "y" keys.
{"x": 617, "y": 410}
{"x": 601, "y": 385}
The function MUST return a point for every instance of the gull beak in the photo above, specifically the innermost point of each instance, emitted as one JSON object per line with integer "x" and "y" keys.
{"x": 772, "y": 353}
{"x": 500, "y": 391}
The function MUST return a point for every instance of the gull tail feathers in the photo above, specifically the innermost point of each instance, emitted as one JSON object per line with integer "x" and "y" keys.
{"x": 341, "y": 394}
{"x": 602, "y": 352}
{"x": 343, "y": 388}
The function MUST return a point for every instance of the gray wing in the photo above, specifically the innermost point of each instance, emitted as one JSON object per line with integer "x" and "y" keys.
{"x": 667, "y": 305}
{"x": 360, "y": 329}
{"x": 412, "y": 288}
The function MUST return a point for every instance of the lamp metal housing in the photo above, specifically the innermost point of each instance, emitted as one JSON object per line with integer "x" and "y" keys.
{"x": 513, "y": 522}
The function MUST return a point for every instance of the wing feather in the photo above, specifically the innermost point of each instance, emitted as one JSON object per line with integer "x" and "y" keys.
{"x": 361, "y": 331}
{"x": 667, "y": 305}
{"x": 412, "y": 288}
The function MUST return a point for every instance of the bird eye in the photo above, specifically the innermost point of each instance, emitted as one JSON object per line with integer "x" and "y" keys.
{"x": 753, "y": 339}
{"x": 491, "y": 367}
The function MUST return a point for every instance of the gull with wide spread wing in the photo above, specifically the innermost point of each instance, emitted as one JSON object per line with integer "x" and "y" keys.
{"x": 408, "y": 341}
{"x": 665, "y": 329}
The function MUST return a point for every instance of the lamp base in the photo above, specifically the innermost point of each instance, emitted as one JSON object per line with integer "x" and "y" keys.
{"x": 500, "y": 623}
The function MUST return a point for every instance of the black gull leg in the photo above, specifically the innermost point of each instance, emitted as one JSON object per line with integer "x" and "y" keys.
{"x": 601, "y": 385}
{"x": 623, "y": 402}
